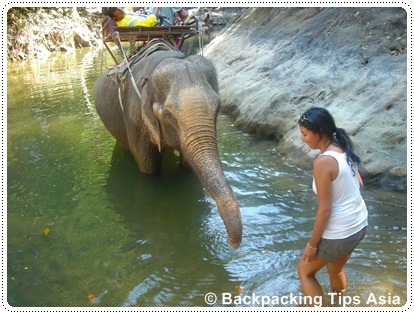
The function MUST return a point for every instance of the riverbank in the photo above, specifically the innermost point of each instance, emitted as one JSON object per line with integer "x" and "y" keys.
{"x": 36, "y": 33}
{"x": 274, "y": 63}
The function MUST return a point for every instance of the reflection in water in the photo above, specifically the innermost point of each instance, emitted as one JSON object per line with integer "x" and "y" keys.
{"x": 131, "y": 239}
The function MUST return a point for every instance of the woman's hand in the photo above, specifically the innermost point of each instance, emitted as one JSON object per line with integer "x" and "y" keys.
{"x": 309, "y": 254}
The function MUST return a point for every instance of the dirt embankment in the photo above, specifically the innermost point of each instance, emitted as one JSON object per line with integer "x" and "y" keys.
{"x": 35, "y": 33}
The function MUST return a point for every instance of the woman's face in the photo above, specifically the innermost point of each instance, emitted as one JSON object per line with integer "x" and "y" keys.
{"x": 311, "y": 138}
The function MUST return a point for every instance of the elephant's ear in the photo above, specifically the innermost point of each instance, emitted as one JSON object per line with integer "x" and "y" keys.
{"x": 148, "y": 116}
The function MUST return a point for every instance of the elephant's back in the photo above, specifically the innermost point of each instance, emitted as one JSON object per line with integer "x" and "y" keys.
{"x": 109, "y": 108}
{"x": 147, "y": 65}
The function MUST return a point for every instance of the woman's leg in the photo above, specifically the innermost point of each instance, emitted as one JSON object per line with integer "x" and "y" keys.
{"x": 310, "y": 284}
{"x": 337, "y": 275}
{"x": 336, "y": 270}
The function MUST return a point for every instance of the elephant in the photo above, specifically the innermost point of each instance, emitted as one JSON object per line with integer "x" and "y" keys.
{"x": 171, "y": 101}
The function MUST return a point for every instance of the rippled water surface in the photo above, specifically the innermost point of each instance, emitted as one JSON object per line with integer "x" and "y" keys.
{"x": 82, "y": 220}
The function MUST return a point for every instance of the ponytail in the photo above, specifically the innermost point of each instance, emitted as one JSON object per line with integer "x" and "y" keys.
{"x": 341, "y": 138}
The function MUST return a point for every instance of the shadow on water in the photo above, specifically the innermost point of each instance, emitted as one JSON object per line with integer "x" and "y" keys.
{"x": 165, "y": 215}
{"x": 139, "y": 196}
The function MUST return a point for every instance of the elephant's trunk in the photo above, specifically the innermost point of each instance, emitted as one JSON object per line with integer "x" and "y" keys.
{"x": 201, "y": 152}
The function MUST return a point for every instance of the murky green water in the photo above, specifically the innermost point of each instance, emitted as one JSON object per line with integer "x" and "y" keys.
{"x": 136, "y": 240}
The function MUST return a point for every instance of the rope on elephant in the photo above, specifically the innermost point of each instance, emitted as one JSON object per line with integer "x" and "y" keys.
{"x": 154, "y": 45}
{"x": 200, "y": 43}
{"x": 132, "y": 78}
{"x": 121, "y": 71}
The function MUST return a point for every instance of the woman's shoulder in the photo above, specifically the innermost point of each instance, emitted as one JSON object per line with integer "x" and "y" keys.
{"x": 326, "y": 163}
{"x": 324, "y": 160}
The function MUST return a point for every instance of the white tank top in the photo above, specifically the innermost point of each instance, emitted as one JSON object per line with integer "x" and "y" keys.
{"x": 349, "y": 212}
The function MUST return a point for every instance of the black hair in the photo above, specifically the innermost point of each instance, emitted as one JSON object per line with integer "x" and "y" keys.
{"x": 108, "y": 11}
{"x": 319, "y": 120}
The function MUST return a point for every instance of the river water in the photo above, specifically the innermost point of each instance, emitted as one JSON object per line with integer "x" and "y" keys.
{"x": 85, "y": 228}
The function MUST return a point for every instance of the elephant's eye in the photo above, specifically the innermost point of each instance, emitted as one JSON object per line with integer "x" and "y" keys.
{"x": 169, "y": 117}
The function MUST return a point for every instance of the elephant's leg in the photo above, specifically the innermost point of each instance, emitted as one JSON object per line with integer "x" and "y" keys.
{"x": 146, "y": 154}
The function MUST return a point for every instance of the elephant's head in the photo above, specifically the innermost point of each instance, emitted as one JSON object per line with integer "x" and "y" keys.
{"x": 180, "y": 103}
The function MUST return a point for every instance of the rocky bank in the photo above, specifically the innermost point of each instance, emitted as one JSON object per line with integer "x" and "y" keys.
{"x": 274, "y": 63}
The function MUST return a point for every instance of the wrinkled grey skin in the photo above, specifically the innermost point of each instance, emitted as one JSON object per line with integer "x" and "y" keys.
{"x": 177, "y": 110}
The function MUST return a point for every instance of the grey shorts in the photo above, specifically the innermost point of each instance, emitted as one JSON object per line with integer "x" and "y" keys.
{"x": 333, "y": 250}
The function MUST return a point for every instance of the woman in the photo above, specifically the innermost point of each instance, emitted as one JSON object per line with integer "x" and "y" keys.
{"x": 342, "y": 218}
